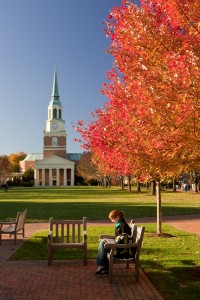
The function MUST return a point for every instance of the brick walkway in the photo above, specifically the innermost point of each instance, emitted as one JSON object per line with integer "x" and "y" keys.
{"x": 70, "y": 280}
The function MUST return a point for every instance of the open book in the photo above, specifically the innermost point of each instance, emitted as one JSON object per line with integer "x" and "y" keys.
{"x": 108, "y": 241}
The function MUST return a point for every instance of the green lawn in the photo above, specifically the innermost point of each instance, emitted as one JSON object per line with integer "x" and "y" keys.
{"x": 92, "y": 202}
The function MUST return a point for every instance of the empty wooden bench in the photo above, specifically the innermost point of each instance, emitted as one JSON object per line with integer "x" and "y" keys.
{"x": 14, "y": 226}
{"x": 67, "y": 234}
{"x": 135, "y": 243}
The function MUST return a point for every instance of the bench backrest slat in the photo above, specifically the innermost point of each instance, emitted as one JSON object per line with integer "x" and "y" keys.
{"x": 79, "y": 233}
{"x": 68, "y": 232}
{"x": 21, "y": 216}
{"x": 62, "y": 233}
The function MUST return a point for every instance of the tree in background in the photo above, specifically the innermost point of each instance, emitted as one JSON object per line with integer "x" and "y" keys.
{"x": 28, "y": 175}
{"x": 4, "y": 168}
{"x": 87, "y": 168}
{"x": 150, "y": 125}
{"x": 14, "y": 160}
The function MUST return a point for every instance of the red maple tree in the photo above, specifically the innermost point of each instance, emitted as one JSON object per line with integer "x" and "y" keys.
{"x": 150, "y": 125}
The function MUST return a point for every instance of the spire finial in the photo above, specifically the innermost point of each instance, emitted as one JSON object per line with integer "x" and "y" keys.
{"x": 55, "y": 94}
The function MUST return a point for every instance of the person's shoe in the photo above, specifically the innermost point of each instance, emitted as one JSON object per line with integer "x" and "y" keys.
{"x": 103, "y": 269}
{"x": 105, "y": 272}
{"x": 98, "y": 272}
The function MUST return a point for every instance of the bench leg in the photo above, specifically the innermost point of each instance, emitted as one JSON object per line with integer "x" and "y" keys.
{"x": 137, "y": 271}
{"x": 15, "y": 237}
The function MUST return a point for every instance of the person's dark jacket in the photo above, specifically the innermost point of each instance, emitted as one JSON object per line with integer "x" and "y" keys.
{"x": 122, "y": 227}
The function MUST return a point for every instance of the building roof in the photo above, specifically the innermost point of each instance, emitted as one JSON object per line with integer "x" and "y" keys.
{"x": 39, "y": 156}
{"x": 34, "y": 156}
{"x": 74, "y": 156}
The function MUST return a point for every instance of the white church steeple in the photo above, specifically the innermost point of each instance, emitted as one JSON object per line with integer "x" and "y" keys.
{"x": 55, "y": 133}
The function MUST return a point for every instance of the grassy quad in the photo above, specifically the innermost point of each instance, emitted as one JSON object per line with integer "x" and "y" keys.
{"x": 172, "y": 263}
{"x": 92, "y": 202}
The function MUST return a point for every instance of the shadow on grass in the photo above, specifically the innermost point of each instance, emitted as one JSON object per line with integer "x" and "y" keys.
{"x": 176, "y": 282}
{"x": 91, "y": 210}
{"x": 35, "y": 248}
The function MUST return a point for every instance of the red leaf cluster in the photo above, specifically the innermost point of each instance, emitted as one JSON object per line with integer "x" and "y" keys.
{"x": 150, "y": 125}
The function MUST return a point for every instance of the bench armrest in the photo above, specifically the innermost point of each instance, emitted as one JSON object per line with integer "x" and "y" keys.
{"x": 122, "y": 246}
{"x": 106, "y": 236}
{"x": 7, "y": 223}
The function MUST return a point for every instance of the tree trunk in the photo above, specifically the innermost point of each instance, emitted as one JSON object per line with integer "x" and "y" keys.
{"x": 129, "y": 183}
{"x": 158, "y": 198}
{"x": 138, "y": 187}
{"x": 122, "y": 182}
{"x": 108, "y": 182}
{"x": 153, "y": 187}
{"x": 195, "y": 182}
{"x": 174, "y": 184}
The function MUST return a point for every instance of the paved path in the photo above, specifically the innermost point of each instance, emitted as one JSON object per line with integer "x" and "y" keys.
{"x": 70, "y": 280}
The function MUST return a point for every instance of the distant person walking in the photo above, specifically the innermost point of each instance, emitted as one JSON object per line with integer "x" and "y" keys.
{"x": 5, "y": 186}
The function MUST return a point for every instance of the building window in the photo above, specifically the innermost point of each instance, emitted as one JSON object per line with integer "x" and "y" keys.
{"x": 54, "y": 141}
{"x": 60, "y": 114}
{"x": 55, "y": 113}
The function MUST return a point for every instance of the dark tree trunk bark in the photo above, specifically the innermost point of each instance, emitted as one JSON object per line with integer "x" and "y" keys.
{"x": 174, "y": 184}
{"x": 159, "y": 216}
{"x": 138, "y": 187}
{"x": 129, "y": 183}
{"x": 122, "y": 182}
{"x": 153, "y": 187}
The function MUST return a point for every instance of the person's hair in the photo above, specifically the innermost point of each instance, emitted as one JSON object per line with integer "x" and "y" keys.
{"x": 116, "y": 214}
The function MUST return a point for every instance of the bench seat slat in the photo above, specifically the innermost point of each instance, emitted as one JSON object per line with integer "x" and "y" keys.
{"x": 8, "y": 229}
{"x": 67, "y": 245}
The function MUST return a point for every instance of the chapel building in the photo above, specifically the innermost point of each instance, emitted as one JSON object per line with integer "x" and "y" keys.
{"x": 53, "y": 167}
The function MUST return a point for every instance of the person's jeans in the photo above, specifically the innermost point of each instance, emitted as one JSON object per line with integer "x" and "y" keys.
{"x": 102, "y": 259}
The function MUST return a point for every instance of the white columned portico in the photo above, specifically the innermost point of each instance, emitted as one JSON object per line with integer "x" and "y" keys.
{"x": 57, "y": 171}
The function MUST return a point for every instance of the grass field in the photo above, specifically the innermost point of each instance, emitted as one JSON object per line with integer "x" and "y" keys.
{"x": 92, "y": 202}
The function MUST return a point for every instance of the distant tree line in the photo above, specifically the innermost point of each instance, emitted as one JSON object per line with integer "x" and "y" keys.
{"x": 9, "y": 165}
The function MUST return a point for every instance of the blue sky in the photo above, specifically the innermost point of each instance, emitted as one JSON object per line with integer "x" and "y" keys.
{"x": 36, "y": 35}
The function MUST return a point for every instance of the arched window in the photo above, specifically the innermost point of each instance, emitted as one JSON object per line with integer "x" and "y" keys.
{"x": 54, "y": 141}
{"x": 55, "y": 113}
{"x": 60, "y": 114}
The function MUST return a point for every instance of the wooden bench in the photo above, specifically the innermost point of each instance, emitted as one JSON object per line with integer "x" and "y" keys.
{"x": 135, "y": 243}
{"x": 67, "y": 234}
{"x": 14, "y": 226}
